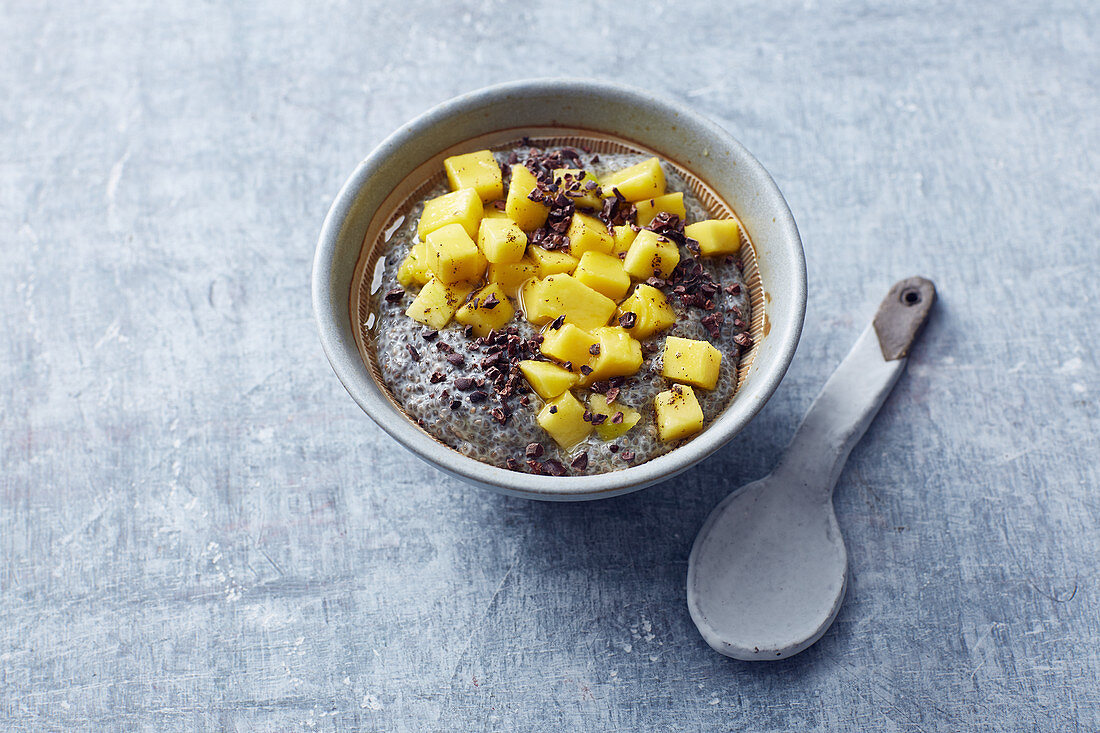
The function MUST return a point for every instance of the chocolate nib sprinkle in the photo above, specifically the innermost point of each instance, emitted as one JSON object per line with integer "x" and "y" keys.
{"x": 612, "y": 395}
{"x": 395, "y": 295}
{"x": 479, "y": 396}
{"x": 628, "y": 319}
{"x": 491, "y": 302}
{"x": 580, "y": 462}
{"x": 413, "y": 352}
{"x": 599, "y": 419}
{"x": 436, "y": 377}
{"x": 743, "y": 339}
{"x": 512, "y": 464}
{"x": 733, "y": 288}
{"x": 557, "y": 323}
{"x": 457, "y": 360}
{"x": 713, "y": 324}
{"x": 554, "y": 467}
{"x": 534, "y": 450}
{"x": 668, "y": 225}
{"x": 617, "y": 418}
{"x": 464, "y": 384}
{"x": 553, "y": 409}
{"x": 594, "y": 349}
{"x": 429, "y": 334}
{"x": 586, "y": 370}
{"x": 627, "y": 455}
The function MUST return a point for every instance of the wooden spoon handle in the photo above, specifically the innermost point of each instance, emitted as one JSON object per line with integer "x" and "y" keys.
{"x": 854, "y": 393}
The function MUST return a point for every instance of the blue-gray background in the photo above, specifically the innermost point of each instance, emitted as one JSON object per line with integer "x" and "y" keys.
{"x": 199, "y": 530}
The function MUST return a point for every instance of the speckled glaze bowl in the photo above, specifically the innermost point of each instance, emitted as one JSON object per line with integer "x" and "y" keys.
{"x": 720, "y": 170}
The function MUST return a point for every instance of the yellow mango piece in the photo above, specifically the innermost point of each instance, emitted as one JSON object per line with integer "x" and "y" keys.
{"x": 619, "y": 355}
{"x": 453, "y": 256}
{"x": 459, "y": 207}
{"x": 678, "y": 413}
{"x": 623, "y": 236}
{"x": 493, "y": 211}
{"x": 512, "y": 275}
{"x": 552, "y": 261}
{"x": 603, "y": 273}
{"x": 716, "y": 236}
{"x": 563, "y": 418}
{"x": 528, "y": 214}
{"x": 414, "y": 270}
{"x": 588, "y": 234}
{"x": 436, "y": 303}
{"x": 501, "y": 241}
{"x": 609, "y": 429}
{"x": 564, "y": 295}
{"x": 489, "y": 311}
{"x": 568, "y": 344}
{"x": 652, "y": 312}
{"x": 479, "y": 171}
{"x": 651, "y": 255}
{"x": 547, "y": 379}
{"x": 645, "y": 180}
{"x": 673, "y": 203}
{"x": 580, "y": 186}
{"x": 691, "y": 361}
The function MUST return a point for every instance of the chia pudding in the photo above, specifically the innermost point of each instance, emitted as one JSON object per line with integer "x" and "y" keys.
{"x": 463, "y": 382}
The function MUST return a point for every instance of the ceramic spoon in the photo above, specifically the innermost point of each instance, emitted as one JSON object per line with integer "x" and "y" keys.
{"x": 768, "y": 570}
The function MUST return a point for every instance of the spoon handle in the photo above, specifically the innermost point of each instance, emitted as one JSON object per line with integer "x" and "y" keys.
{"x": 854, "y": 393}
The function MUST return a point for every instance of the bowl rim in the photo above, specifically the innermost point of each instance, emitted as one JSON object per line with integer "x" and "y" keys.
{"x": 352, "y": 373}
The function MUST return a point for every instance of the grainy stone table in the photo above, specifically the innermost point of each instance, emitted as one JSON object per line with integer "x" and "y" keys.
{"x": 200, "y": 531}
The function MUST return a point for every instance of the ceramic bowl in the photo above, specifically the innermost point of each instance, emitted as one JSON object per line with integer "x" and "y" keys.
{"x": 571, "y": 110}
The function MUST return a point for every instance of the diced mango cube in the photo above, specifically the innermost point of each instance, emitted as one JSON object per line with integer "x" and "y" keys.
{"x": 673, "y": 203}
{"x": 588, "y": 234}
{"x": 453, "y": 256}
{"x": 437, "y": 302}
{"x": 580, "y": 186}
{"x": 414, "y": 270}
{"x": 645, "y": 180}
{"x": 691, "y": 361}
{"x": 622, "y": 236}
{"x": 563, "y": 418}
{"x": 716, "y": 236}
{"x": 603, "y": 273}
{"x": 652, "y": 312}
{"x": 528, "y": 214}
{"x": 569, "y": 345}
{"x": 618, "y": 355}
{"x": 489, "y": 311}
{"x": 513, "y": 274}
{"x": 459, "y": 207}
{"x": 564, "y": 295}
{"x": 651, "y": 255}
{"x": 619, "y": 420}
{"x": 552, "y": 261}
{"x": 501, "y": 241}
{"x": 479, "y": 171}
{"x": 547, "y": 379}
{"x": 678, "y": 413}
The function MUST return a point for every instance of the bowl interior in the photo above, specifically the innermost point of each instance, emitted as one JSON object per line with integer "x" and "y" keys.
{"x": 725, "y": 177}
{"x": 402, "y": 202}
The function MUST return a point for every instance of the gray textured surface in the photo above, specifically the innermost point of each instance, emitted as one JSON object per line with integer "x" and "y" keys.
{"x": 198, "y": 530}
